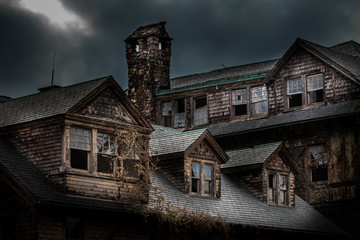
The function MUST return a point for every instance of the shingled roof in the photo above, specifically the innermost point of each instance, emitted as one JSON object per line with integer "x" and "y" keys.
{"x": 46, "y": 104}
{"x": 286, "y": 119}
{"x": 238, "y": 206}
{"x": 220, "y": 76}
{"x": 173, "y": 142}
{"x": 250, "y": 156}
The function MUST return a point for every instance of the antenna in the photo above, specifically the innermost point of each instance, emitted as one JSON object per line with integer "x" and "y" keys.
{"x": 53, "y": 70}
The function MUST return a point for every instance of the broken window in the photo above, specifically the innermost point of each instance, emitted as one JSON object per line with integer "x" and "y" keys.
{"x": 166, "y": 113}
{"x": 240, "y": 102}
{"x": 294, "y": 92}
{"x": 277, "y": 192}
{"x": 201, "y": 111}
{"x": 202, "y": 178}
{"x": 80, "y": 147}
{"x": 315, "y": 88}
{"x": 179, "y": 118}
{"x": 318, "y": 163}
{"x": 259, "y": 100}
{"x": 106, "y": 152}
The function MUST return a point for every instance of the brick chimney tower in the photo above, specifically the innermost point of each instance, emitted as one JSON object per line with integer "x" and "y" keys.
{"x": 148, "y": 53}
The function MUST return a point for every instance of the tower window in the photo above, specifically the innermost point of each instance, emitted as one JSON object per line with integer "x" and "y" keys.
{"x": 160, "y": 46}
{"x": 137, "y": 47}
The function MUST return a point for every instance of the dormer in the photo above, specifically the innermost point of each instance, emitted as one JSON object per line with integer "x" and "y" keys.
{"x": 71, "y": 134}
{"x": 267, "y": 171}
{"x": 190, "y": 160}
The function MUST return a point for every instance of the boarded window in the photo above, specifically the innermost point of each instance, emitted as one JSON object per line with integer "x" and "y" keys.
{"x": 315, "y": 88}
{"x": 80, "y": 147}
{"x": 240, "y": 102}
{"x": 318, "y": 163}
{"x": 106, "y": 152}
{"x": 179, "y": 119}
{"x": 201, "y": 111}
{"x": 166, "y": 113}
{"x": 195, "y": 177}
{"x": 259, "y": 100}
{"x": 294, "y": 92}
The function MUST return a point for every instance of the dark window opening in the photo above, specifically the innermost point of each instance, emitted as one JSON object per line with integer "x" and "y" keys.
{"x": 316, "y": 96}
{"x": 200, "y": 102}
{"x": 295, "y": 100}
{"x": 130, "y": 168}
{"x": 179, "y": 118}
{"x": 167, "y": 121}
{"x": 73, "y": 228}
{"x": 79, "y": 159}
{"x": 319, "y": 173}
{"x": 240, "y": 110}
{"x": 179, "y": 106}
{"x": 105, "y": 163}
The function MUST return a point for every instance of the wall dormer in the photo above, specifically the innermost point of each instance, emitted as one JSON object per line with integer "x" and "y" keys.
{"x": 267, "y": 171}
{"x": 190, "y": 160}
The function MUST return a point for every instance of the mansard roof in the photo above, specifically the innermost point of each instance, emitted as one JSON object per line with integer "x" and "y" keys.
{"x": 61, "y": 100}
{"x": 238, "y": 206}
{"x": 344, "y": 63}
{"x": 165, "y": 141}
{"x": 220, "y": 76}
{"x": 286, "y": 119}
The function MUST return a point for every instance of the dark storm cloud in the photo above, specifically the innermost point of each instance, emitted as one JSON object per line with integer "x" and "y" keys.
{"x": 207, "y": 34}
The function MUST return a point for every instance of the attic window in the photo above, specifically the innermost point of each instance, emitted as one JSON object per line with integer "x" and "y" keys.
{"x": 201, "y": 111}
{"x": 202, "y": 179}
{"x": 315, "y": 88}
{"x": 106, "y": 152}
{"x": 294, "y": 93}
{"x": 318, "y": 163}
{"x": 80, "y": 147}
{"x": 277, "y": 192}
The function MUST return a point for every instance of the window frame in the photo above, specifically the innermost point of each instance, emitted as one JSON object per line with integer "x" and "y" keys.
{"x": 234, "y": 104}
{"x": 316, "y": 165}
{"x": 88, "y": 151}
{"x": 277, "y": 189}
{"x": 253, "y": 102}
{"x": 306, "y": 91}
{"x": 202, "y": 179}
{"x": 173, "y": 114}
{"x": 109, "y": 155}
{"x": 196, "y": 110}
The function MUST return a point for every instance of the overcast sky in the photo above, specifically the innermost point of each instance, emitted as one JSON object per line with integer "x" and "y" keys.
{"x": 88, "y": 35}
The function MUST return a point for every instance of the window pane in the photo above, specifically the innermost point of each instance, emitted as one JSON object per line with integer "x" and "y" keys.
{"x": 200, "y": 102}
{"x": 282, "y": 197}
{"x": 167, "y": 108}
{"x": 315, "y": 82}
{"x": 208, "y": 172}
{"x": 106, "y": 143}
{"x": 294, "y": 86}
{"x": 179, "y": 120}
{"x": 316, "y": 96}
{"x": 201, "y": 117}
{"x": 105, "y": 163}
{"x": 295, "y": 100}
{"x": 130, "y": 168}
{"x": 271, "y": 181}
{"x": 207, "y": 185}
{"x": 240, "y": 110}
{"x": 240, "y": 97}
{"x": 283, "y": 183}
{"x": 318, "y": 155}
{"x": 80, "y": 138}
{"x": 79, "y": 159}
{"x": 258, "y": 94}
{"x": 260, "y": 107}
{"x": 195, "y": 185}
{"x": 319, "y": 173}
{"x": 179, "y": 106}
{"x": 195, "y": 170}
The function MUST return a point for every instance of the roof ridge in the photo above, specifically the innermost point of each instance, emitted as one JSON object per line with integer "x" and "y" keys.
{"x": 181, "y": 133}
{"x": 57, "y": 89}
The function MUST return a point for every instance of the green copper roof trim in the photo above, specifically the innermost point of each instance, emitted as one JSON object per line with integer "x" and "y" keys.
{"x": 213, "y": 83}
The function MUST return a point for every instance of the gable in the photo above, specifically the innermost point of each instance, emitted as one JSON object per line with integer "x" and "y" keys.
{"x": 277, "y": 163}
{"x": 107, "y": 106}
{"x": 203, "y": 151}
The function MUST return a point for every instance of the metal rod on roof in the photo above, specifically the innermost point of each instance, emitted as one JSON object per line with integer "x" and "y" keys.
{"x": 53, "y": 70}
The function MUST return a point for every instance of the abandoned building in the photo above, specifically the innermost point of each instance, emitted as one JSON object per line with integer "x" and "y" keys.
{"x": 259, "y": 147}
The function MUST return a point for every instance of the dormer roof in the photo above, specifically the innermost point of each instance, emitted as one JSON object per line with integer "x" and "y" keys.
{"x": 63, "y": 100}
{"x": 344, "y": 63}
{"x": 164, "y": 142}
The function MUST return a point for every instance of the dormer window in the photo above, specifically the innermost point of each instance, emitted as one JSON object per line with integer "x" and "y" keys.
{"x": 259, "y": 100}
{"x": 294, "y": 92}
{"x": 315, "y": 89}
{"x": 278, "y": 193}
{"x": 80, "y": 147}
{"x": 201, "y": 178}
